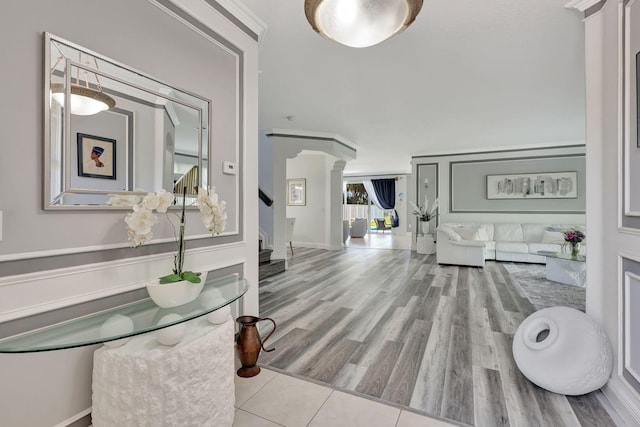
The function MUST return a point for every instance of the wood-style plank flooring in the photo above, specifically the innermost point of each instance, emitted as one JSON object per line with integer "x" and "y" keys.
{"x": 394, "y": 325}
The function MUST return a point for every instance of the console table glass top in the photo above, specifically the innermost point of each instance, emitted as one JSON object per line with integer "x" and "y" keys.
{"x": 126, "y": 320}
{"x": 560, "y": 255}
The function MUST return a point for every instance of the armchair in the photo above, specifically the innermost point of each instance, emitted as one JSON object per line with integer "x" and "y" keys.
{"x": 359, "y": 227}
{"x": 381, "y": 225}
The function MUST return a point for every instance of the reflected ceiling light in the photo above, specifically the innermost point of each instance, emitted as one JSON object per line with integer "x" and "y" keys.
{"x": 85, "y": 101}
{"x": 360, "y": 23}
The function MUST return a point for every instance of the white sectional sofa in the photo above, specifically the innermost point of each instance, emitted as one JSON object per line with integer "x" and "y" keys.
{"x": 474, "y": 243}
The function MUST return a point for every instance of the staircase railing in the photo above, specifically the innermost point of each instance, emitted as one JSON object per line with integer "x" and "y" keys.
{"x": 264, "y": 197}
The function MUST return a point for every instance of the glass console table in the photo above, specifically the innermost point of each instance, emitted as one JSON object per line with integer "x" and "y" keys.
{"x": 126, "y": 320}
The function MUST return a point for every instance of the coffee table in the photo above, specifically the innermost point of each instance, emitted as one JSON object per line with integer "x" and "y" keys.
{"x": 564, "y": 268}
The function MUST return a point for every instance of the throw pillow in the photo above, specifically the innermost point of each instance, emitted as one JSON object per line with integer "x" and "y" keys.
{"x": 552, "y": 237}
{"x": 467, "y": 233}
{"x": 448, "y": 231}
{"x": 483, "y": 236}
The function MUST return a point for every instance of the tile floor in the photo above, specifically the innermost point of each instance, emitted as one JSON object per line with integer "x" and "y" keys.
{"x": 271, "y": 399}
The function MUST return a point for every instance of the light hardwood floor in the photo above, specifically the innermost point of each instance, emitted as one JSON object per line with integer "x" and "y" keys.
{"x": 395, "y": 326}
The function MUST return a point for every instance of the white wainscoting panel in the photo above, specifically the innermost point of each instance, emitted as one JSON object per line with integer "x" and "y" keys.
{"x": 33, "y": 293}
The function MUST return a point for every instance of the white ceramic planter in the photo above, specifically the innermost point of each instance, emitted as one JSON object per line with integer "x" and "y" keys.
{"x": 175, "y": 294}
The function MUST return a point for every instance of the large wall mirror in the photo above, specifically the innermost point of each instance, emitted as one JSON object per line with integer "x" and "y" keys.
{"x": 125, "y": 133}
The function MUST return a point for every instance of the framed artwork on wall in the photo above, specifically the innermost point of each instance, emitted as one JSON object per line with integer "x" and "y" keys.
{"x": 96, "y": 156}
{"x": 544, "y": 185}
{"x": 297, "y": 192}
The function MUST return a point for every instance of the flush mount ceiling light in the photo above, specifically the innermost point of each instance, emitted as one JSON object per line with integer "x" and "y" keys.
{"x": 360, "y": 23}
{"x": 84, "y": 100}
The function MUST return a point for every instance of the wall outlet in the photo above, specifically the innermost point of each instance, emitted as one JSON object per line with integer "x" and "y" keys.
{"x": 0, "y": 226}
{"x": 229, "y": 168}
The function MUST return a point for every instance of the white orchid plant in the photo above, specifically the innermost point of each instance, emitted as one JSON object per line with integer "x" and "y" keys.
{"x": 422, "y": 211}
{"x": 142, "y": 219}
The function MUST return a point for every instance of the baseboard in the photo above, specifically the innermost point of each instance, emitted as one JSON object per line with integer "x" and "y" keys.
{"x": 313, "y": 245}
{"x": 82, "y": 419}
{"x": 619, "y": 406}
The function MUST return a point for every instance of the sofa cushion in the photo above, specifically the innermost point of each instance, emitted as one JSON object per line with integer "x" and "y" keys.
{"x": 533, "y": 232}
{"x": 485, "y": 229}
{"x": 507, "y": 233}
{"x": 448, "y": 231}
{"x": 519, "y": 247}
{"x": 467, "y": 233}
{"x": 552, "y": 237}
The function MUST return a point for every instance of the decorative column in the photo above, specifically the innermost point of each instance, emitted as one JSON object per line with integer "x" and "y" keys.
{"x": 281, "y": 152}
{"x": 335, "y": 208}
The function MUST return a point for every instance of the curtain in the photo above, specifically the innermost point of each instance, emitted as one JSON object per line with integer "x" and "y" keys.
{"x": 385, "y": 190}
{"x": 371, "y": 192}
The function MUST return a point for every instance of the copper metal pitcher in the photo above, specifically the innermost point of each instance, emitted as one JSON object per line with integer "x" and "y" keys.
{"x": 248, "y": 344}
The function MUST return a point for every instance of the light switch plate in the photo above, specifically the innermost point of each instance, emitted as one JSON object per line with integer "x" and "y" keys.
{"x": 229, "y": 168}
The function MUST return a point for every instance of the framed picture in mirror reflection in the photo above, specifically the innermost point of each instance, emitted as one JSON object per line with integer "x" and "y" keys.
{"x": 96, "y": 156}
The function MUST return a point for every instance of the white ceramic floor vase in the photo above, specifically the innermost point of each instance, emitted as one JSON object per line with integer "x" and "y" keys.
{"x": 562, "y": 350}
{"x": 424, "y": 227}
{"x": 174, "y": 294}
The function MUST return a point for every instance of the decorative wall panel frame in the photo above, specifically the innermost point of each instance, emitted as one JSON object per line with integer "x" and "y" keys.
{"x": 521, "y": 166}
{"x": 423, "y": 186}
{"x": 629, "y": 320}
{"x": 629, "y": 149}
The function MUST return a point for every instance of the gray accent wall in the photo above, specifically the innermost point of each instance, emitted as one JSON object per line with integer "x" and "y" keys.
{"x": 138, "y": 34}
{"x": 468, "y": 190}
{"x": 427, "y": 185}
{"x": 462, "y": 184}
{"x": 50, "y": 388}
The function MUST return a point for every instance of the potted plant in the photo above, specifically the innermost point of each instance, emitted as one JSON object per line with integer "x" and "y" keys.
{"x": 424, "y": 214}
{"x": 180, "y": 286}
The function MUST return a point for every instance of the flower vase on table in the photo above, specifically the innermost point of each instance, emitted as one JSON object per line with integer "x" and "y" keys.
{"x": 575, "y": 250}
{"x": 572, "y": 238}
{"x": 181, "y": 286}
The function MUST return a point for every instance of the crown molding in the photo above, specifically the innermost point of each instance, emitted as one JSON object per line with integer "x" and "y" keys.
{"x": 244, "y": 15}
{"x": 582, "y": 5}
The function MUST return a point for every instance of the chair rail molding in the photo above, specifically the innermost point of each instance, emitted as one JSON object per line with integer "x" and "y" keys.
{"x": 32, "y": 293}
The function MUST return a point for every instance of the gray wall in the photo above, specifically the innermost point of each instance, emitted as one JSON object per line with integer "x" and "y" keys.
{"x": 427, "y": 185}
{"x": 462, "y": 185}
{"x": 135, "y": 33}
{"x": 468, "y": 191}
{"x": 265, "y": 177}
{"x": 46, "y": 388}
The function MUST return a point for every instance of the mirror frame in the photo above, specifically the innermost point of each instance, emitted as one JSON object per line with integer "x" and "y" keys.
{"x": 204, "y": 136}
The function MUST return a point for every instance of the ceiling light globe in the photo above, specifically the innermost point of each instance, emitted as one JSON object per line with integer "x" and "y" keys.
{"x": 361, "y": 23}
{"x": 84, "y": 101}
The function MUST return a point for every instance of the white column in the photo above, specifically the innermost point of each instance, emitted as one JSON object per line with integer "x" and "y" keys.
{"x": 281, "y": 152}
{"x": 335, "y": 208}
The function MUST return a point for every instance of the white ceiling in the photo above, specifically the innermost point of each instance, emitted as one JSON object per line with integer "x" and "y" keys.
{"x": 465, "y": 76}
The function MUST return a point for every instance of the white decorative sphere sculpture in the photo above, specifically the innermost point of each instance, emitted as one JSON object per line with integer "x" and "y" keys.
{"x": 171, "y": 335}
{"x": 561, "y": 350}
{"x": 116, "y": 325}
